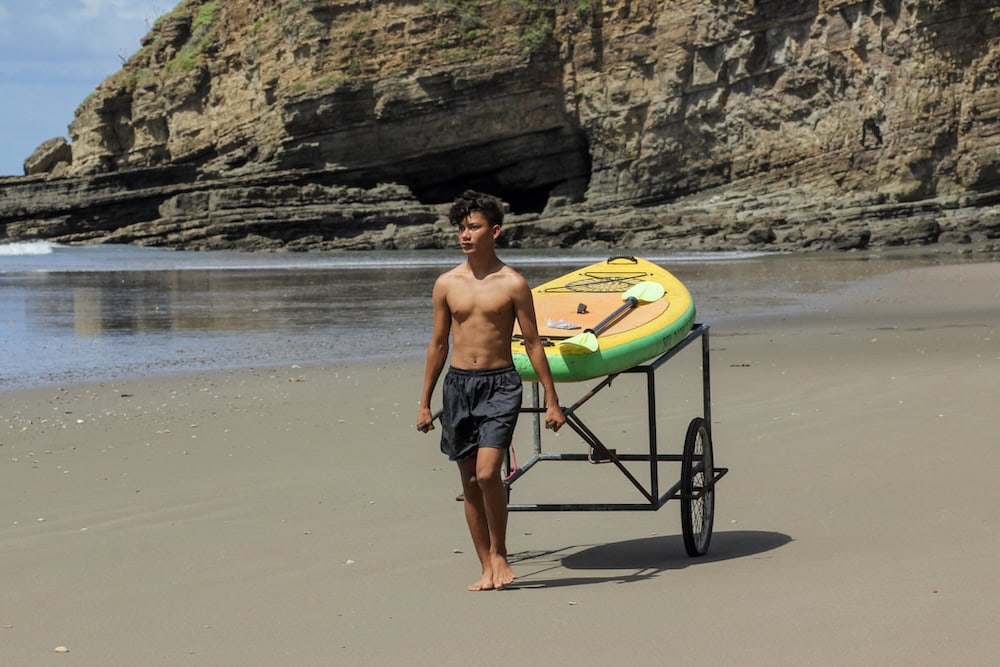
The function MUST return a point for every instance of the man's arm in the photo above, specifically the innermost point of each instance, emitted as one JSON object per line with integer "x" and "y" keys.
{"x": 525, "y": 310}
{"x": 437, "y": 355}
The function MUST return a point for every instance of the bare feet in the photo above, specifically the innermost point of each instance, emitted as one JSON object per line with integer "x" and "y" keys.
{"x": 503, "y": 575}
{"x": 485, "y": 583}
{"x": 497, "y": 577}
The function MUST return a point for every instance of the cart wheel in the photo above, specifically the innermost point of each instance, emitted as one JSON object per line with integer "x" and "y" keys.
{"x": 697, "y": 504}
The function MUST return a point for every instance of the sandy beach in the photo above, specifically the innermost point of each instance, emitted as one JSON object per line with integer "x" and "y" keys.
{"x": 294, "y": 516}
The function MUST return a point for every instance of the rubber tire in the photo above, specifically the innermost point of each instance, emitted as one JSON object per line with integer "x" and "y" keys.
{"x": 697, "y": 515}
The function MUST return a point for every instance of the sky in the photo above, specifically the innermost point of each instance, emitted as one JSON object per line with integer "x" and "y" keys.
{"x": 53, "y": 53}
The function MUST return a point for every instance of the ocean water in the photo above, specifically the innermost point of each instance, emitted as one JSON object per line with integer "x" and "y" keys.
{"x": 84, "y": 313}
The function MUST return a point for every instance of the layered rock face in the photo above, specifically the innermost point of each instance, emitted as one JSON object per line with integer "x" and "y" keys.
{"x": 699, "y": 124}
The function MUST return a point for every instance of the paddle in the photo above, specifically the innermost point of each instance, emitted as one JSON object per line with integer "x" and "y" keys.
{"x": 644, "y": 292}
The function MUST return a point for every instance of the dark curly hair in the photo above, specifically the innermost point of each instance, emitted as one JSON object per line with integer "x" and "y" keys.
{"x": 471, "y": 201}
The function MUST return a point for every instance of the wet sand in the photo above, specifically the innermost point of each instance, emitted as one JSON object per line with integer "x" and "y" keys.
{"x": 294, "y": 516}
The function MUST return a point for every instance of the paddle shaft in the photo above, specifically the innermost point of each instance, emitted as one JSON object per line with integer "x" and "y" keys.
{"x": 629, "y": 304}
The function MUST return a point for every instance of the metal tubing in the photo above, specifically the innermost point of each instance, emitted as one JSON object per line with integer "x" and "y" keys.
{"x": 696, "y": 331}
{"x": 654, "y": 478}
{"x": 595, "y": 443}
{"x": 653, "y": 505}
{"x": 706, "y": 382}
{"x": 719, "y": 473}
{"x": 521, "y": 470}
{"x": 583, "y": 507}
{"x": 606, "y": 382}
{"x": 641, "y": 458}
{"x": 537, "y": 407}
{"x": 655, "y": 500}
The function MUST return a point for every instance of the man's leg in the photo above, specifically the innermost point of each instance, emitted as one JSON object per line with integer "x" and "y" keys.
{"x": 475, "y": 516}
{"x": 494, "y": 499}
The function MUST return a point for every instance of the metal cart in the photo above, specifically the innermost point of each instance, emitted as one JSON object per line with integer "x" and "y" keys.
{"x": 698, "y": 474}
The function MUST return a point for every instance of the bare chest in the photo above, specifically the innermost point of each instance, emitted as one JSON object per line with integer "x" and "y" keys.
{"x": 480, "y": 302}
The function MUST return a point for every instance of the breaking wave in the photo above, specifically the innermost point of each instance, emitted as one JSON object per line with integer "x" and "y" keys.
{"x": 27, "y": 248}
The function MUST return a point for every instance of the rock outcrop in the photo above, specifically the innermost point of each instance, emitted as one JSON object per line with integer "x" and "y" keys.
{"x": 700, "y": 124}
{"x": 53, "y": 156}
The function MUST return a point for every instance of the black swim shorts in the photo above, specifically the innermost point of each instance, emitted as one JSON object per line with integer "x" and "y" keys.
{"x": 480, "y": 410}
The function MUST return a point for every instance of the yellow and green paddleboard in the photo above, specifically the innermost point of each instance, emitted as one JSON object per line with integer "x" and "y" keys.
{"x": 606, "y": 318}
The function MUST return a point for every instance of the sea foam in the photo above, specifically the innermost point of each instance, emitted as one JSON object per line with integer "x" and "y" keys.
{"x": 27, "y": 248}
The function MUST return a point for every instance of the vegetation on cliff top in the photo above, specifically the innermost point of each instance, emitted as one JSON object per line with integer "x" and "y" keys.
{"x": 462, "y": 30}
{"x": 203, "y": 29}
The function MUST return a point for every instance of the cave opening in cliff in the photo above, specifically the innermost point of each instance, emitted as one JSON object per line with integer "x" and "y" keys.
{"x": 520, "y": 200}
{"x": 527, "y": 201}
{"x": 526, "y": 173}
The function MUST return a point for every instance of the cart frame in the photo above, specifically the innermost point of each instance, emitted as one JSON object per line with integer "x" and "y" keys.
{"x": 696, "y": 486}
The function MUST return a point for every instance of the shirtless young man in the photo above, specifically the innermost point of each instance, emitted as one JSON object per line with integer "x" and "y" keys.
{"x": 477, "y": 303}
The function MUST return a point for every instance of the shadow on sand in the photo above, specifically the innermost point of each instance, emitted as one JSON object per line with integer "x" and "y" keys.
{"x": 639, "y": 559}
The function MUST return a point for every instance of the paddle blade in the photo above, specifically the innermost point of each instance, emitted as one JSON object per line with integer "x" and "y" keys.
{"x": 584, "y": 342}
{"x": 645, "y": 292}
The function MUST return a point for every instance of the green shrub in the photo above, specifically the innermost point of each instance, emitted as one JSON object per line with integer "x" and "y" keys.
{"x": 328, "y": 82}
{"x": 138, "y": 77}
{"x": 533, "y": 36}
{"x": 202, "y": 33}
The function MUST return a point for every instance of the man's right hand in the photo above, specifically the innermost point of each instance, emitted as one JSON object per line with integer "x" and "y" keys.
{"x": 425, "y": 422}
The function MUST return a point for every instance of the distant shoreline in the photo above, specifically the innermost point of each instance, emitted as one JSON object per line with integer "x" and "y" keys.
{"x": 100, "y": 313}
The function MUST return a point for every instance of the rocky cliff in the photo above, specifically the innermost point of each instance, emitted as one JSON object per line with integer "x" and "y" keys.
{"x": 700, "y": 124}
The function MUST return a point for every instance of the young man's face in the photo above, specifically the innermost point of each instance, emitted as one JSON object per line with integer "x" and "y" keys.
{"x": 476, "y": 233}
